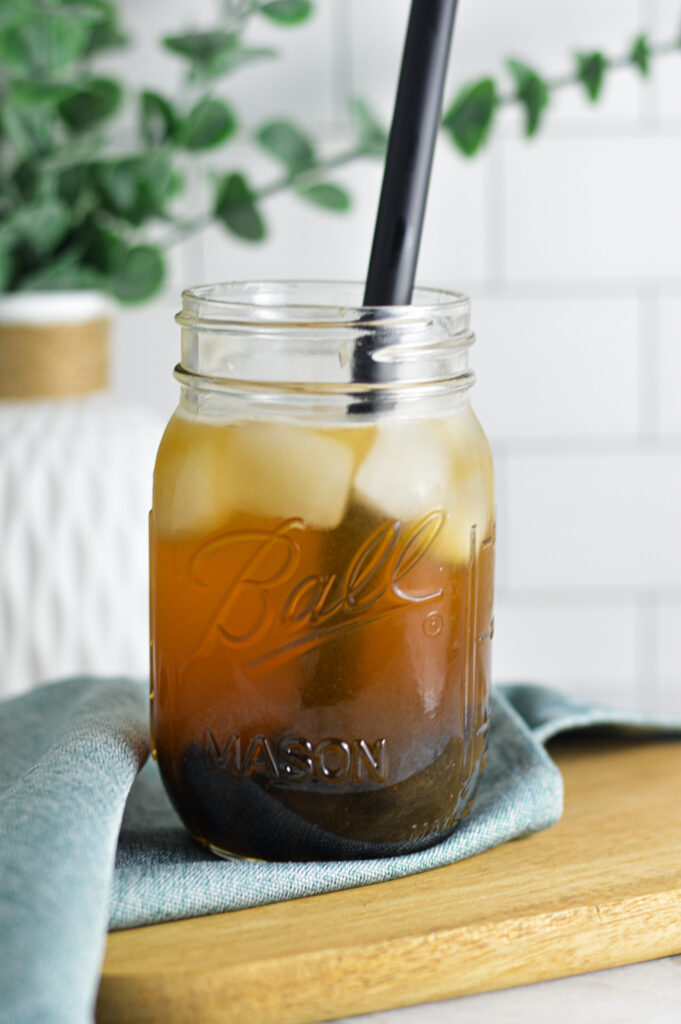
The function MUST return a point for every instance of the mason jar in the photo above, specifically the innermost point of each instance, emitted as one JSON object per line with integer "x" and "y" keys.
{"x": 322, "y": 552}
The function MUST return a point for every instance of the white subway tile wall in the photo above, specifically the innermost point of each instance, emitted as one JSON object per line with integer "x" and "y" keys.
{"x": 669, "y": 625}
{"x": 604, "y": 517}
{"x": 669, "y": 366}
{"x": 569, "y": 246}
{"x": 593, "y": 209}
{"x": 557, "y": 366}
{"x": 664, "y": 18}
{"x": 557, "y": 641}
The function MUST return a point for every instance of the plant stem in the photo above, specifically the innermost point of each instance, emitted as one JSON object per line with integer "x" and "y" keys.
{"x": 616, "y": 64}
{"x": 185, "y": 229}
{"x": 281, "y": 184}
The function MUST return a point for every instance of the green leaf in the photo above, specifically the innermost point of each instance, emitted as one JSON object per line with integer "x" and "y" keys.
{"x": 373, "y": 139}
{"x": 532, "y": 91}
{"x": 469, "y": 118}
{"x": 118, "y": 187}
{"x": 591, "y": 68}
{"x": 27, "y": 92}
{"x": 102, "y": 249}
{"x": 208, "y": 124}
{"x": 106, "y": 33}
{"x": 136, "y": 188}
{"x": 5, "y": 268}
{"x": 158, "y": 120}
{"x": 287, "y": 143}
{"x": 235, "y": 207}
{"x": 15, "y": 132}
{"x": 39, "y": 46}
{"x": 27, "y": 178}
{"x": 73, "y": 182}
{"x": 92, "y": 12}
{"x": 95, "y": 100}
{"x": 331, "y": 197}
{"x": 40, "y": 226}
{"x": 106, "y": 36}
{"x": 140, "y": 276}
{"x": 159, "y": 182}
{"x": 64, "y": 272}
{"x": 225, "y": 63}
{"x": 39, "y": 124}
{"x": 215, "y": 53}
{"x": 640, "y": 54}
{"x": 201, "y": 46}
{"x": 29, "y": 130}
{"x": 11, "y": 11}
{"x": 287, "y": 12}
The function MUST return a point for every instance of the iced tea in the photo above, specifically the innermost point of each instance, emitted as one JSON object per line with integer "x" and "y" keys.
{"x": 321, "y": 625}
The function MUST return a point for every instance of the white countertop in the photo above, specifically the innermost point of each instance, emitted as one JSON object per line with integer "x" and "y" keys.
{"x": 648, "y": 992}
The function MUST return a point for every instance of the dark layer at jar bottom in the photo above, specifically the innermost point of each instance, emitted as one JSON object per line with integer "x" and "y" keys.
{"x": 254, "y": 817}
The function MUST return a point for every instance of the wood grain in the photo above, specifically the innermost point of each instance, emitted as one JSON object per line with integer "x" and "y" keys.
{"x": 601, "y": 888}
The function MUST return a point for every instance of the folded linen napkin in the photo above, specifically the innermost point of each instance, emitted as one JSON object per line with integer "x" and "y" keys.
{"x": 89, "y": 839}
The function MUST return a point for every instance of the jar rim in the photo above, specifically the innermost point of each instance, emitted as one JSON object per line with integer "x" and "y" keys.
{"x": 274, "y": 334}
{"x": 295, "y": 302}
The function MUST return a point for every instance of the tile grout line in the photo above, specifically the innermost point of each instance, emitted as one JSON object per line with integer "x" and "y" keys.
{"x": 494, "y": 214}
{"x": 650, "y": 10}
{"x": 607, "y": 130}
{"x": 587, "y": 595}
{"x": 340, "y": 43}
{"x": 648, "y": 356}
{"x": 587, "y": 445}
{"x": 597, "y": 290}
{"x": 646, "y": 658}
{"x": 648, "y": 104}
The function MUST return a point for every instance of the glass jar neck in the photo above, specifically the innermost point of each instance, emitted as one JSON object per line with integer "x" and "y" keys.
{"x": 304, "y": 345}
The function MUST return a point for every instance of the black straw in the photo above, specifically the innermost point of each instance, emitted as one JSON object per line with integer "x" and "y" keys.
{"x": 416, "y": 119}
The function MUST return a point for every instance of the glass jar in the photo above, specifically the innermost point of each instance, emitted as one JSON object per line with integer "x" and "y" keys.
{"x": 322, "y": 550}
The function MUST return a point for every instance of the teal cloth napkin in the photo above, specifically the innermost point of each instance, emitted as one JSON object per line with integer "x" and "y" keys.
{"x": 88, "y": 839}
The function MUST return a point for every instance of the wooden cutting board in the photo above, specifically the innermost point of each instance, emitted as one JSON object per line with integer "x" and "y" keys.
{"x": 601, "y": 888}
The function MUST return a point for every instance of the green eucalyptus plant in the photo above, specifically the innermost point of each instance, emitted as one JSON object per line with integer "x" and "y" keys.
{"x": 79, "y": 208}
{"x": 85, "y": 205}
{"x": 470, "y": 117}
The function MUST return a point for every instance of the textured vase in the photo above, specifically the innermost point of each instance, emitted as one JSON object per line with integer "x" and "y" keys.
{"x": 75, "y": 489}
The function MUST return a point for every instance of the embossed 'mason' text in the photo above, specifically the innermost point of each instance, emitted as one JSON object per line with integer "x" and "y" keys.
{"x": 297, "y": 760}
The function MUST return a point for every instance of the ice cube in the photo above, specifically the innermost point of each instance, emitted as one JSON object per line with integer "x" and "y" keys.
{"x": 468, "y": 504}
{"x": 406, "y": 473}
{"x": 470, "y": 499}
{"x": 194, "y": 481}
{"x": 358, "y": 436}
{"x": 287, "y": 471}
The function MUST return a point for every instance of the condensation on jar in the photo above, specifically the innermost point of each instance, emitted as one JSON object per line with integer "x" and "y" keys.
{"x": 322, "y": 555}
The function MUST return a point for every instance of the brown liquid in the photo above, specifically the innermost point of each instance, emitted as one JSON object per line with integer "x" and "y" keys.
{"x": 320, "y": 693}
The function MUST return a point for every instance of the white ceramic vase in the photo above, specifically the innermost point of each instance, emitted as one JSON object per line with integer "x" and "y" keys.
{"x": 75, "y": 490}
